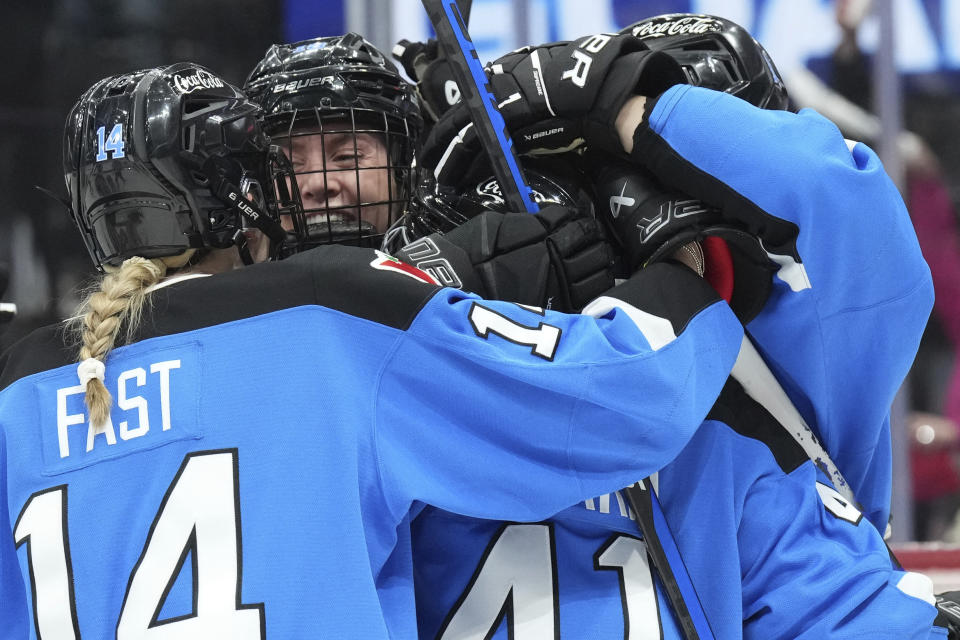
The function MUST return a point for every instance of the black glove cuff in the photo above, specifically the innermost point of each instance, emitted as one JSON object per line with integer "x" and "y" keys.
{"x": 648, "y": 73}
{"x": 447, "y": 262}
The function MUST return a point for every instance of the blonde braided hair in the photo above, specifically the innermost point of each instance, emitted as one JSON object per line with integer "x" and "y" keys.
{"x": 119, "y": 301}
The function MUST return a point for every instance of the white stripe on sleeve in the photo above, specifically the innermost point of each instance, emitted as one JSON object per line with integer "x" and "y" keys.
{"x": 658, "y": 331}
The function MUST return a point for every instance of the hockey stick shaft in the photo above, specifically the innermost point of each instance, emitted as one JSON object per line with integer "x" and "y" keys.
{"x": 452, "y": 34}
{"x": 666, "y": 559}
{"x": 753, "y": 374}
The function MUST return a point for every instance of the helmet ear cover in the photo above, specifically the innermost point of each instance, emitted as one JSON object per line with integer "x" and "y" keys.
{"x": 135, "y": 147}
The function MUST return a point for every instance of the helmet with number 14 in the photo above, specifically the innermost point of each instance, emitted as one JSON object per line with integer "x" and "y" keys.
{"x": 169, "y": 163}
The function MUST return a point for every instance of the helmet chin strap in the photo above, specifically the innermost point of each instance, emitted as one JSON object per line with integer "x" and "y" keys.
{"x": 243, "y": 247}
{"x": 218, "y": 169}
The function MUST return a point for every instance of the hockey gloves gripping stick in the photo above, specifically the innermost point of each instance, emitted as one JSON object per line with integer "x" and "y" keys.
{"x": 553, "y": 98}
{"x": 556, "y": 259}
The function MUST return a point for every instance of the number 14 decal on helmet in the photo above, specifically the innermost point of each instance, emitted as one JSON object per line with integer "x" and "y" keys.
{"x": 112, "y": 143}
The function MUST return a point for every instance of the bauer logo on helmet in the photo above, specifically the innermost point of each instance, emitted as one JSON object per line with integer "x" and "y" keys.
{"x": 297, "y": 85}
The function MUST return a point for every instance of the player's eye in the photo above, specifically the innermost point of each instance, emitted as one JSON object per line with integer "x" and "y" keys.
{"x": 347, "y": 157}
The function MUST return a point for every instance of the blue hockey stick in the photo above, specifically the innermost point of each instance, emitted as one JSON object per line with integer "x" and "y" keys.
{"x": 663, "y": 551}
{"x": 451, "y": 28}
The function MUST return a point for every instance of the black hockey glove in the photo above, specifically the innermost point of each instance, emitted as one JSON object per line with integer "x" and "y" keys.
{"x": 426, "y": 65}
{"x": 553, "y": 97}
{"x": 948, "y": 613}
{"x": 555, "y": 259}
{"x": 647, "y": 221}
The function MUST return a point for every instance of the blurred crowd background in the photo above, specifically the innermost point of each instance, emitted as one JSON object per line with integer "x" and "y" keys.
{"x": 887, "y": 71}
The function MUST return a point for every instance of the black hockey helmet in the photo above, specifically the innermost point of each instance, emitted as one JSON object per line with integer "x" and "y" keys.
{"x": 439, "y": 209}
{"x": 716, "y": 53}
{"x": 161, "y": 161}
{"x": 315, "y": 91}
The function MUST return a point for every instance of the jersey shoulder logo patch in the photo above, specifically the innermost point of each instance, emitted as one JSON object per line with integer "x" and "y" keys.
{"x": 384, "y": 262}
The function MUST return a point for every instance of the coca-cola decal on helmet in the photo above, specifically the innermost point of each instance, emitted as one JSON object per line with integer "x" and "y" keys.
{"x": 676, "y": 26}
{"x": 194, "y": 79}
{"x": 490, "y": 191}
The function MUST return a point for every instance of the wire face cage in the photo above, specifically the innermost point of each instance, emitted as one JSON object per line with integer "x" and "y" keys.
{"x": 352, "y": 172}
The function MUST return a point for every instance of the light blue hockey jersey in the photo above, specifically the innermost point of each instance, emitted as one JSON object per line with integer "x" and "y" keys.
{"x": 853, "y": 292}
{"x": 773, "y": 550}
{"x": 840, "y": 331}
{"x": 274, "y": 428}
